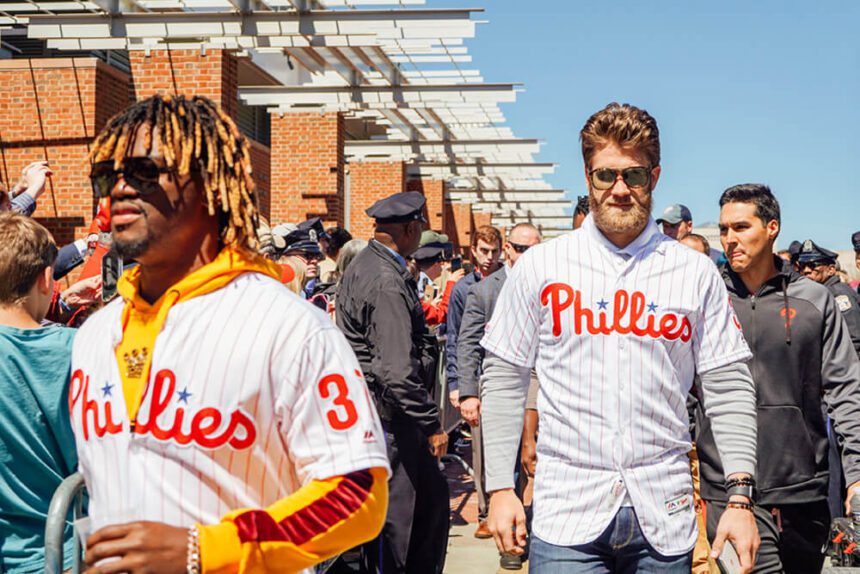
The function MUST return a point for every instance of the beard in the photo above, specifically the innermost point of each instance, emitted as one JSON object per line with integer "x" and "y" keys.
{"x": 132, "y": 249}
{"x": 613, "y": 220}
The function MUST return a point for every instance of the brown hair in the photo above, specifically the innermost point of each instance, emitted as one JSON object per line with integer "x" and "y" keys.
{"x": 487, "y": 234}
{"x": 627, "y": 126}
{"x": 194, "y": 135}
{"x": 26, "y": 249}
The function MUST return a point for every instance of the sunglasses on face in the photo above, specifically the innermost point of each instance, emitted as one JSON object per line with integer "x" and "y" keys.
{"x": 634, "y": 177}
{"x": 518, "y": 247}
{"x": 812, "y": 265}
{"x": 310, "y": 257}
{"x": 141, "y": 173}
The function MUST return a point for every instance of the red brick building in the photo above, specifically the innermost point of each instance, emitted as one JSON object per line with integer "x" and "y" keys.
{"x": 316, "y": 146}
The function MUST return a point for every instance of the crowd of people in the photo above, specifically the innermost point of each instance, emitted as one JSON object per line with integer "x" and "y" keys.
{"x": 247, "y": 396}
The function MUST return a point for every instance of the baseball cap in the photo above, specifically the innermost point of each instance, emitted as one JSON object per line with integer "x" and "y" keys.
{"x": 279, "y": 233}
{"x": 675, "y": 214}
{"x": 430, "y": 237}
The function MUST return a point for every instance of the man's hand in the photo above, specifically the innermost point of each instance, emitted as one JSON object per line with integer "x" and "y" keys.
{"x": 454, "y": 397}
{"x": 506, "y": 517}
{"x": 738, "y": 527}
{"x": 84, "y": 292}
{"x": 456, "y": 275}
{"x": 851, "y": 490}
{"x": 438, "y": 443}
{"x": 470, "y": 410}
{"x": 138, "y": 548}
{"x": 33, "y": 179}
{"x": 528, "y": 454}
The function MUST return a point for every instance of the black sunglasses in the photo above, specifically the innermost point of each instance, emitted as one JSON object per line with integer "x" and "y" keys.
{"x": 604, "y": 178}
{"x": 141, "y": 173}
{"x": 519, "y": 248}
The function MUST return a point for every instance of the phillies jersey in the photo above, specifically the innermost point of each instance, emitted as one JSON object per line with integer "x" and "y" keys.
{"x": 616, "y": 336}
{"x": 252, "y": 393}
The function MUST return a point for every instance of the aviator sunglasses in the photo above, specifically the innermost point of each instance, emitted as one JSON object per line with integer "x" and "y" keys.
{"x": 604, "y": 178}
{"x": 141, "y": 173}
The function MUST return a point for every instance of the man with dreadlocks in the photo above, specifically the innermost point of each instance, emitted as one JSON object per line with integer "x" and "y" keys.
{"x": 211, "y": 438}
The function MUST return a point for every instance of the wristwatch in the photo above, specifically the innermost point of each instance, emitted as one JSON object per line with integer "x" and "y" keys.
{"x": 747, "y": 490}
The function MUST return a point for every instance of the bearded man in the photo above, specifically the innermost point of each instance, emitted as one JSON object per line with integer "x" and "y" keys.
{"x": 617, "y": 319}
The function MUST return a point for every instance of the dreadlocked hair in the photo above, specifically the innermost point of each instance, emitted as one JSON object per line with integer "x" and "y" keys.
{"x": 194, "y": 135}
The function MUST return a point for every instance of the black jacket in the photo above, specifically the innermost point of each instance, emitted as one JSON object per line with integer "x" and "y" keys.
{"x": 848, "y": 302}
{"x": 379, "y": 312}
{"x": 801, "y": 354}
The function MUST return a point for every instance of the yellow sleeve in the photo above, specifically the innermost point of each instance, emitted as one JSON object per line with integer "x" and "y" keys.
{"x": 320, "y": 520}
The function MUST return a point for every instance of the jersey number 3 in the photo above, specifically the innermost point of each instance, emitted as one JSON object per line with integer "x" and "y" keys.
{"x": 341, "y": 399}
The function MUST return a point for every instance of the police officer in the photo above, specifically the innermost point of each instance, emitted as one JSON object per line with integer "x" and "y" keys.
{"x": 819, "y": 264}
{"x": 379, "y": 312}
{"x": 855, "y": 241}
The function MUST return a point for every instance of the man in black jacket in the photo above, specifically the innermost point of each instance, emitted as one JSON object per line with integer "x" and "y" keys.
{"x": 379, "y": 312}
{"x": 802, "y": 354}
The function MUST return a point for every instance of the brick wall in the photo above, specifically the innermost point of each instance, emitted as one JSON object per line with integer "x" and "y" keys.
{"x": 481, "y": 218}
{"x": 213, "y": 74}
{"x": 369, "y": 182}
{"x": 434, "y": 192}
{"x": 261, "y": 164}
{"x": 51, "y": 109}
{"x": 307, "y": 167}
{"x": 459, "y": 225}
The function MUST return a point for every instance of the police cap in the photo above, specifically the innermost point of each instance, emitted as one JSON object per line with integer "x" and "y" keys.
{"x": 303, "y": 240}
{"x": 855, "y": 240}
{"x": 398, "y": 208}
{"x": 812, "y": 253}
{"x": 315, "y": 224}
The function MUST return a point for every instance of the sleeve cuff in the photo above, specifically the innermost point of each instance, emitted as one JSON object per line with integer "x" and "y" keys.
{"x": 220, "y": 548}
{"x": 731, "y": 467}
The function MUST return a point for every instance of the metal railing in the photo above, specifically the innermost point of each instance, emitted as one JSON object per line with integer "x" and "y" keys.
{"x": 68, "y": 496}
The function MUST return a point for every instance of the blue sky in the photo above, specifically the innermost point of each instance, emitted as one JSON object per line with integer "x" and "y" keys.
{"x": 764, "y": 91}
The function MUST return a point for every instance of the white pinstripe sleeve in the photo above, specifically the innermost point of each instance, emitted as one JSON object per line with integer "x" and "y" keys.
{"x": 328, "y": 421}
{"x": 717, "y": 337}
{"x": 513, "y": 331}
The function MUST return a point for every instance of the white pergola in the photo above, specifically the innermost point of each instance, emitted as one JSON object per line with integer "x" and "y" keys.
{"x": 394, "y": 69}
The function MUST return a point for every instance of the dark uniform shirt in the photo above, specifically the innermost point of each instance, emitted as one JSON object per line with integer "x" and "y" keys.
{"x": 380, "y": 314}
{"x": 849, "y": 303}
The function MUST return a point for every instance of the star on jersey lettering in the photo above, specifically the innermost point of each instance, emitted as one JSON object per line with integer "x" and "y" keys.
{"x": 602, "y": 304}
{"x": 106, "y": 390}
{"x": 183, "y": 395}
{"x": 652, "y": 307}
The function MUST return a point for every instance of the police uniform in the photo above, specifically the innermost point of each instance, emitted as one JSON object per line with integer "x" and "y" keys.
{"x": 846, "y": 298}
{"x": 380, "y": 314}
{"x": 855, "y": 241}
{"x": 848, "y": 303}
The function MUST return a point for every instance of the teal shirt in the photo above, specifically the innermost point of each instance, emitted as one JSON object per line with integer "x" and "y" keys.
{"x": 37, "y": 447}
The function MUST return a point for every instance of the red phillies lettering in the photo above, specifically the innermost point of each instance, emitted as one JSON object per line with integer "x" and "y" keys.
{"x": 240, "y": 432}
{"x": 204, "y": 425}
{"x": 79, "y": 392}
{"x": 552, "y": 294}
{"x": 630, "y": 315}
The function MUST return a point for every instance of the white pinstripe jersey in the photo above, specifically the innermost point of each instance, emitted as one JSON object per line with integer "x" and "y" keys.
{"x": 616, "y": 339}
{"x": 252, "y": 393}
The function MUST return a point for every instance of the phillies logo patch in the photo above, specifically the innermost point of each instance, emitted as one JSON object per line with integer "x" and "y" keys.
{"x": 208, "y": 427}
{"x": 631, "y": 314}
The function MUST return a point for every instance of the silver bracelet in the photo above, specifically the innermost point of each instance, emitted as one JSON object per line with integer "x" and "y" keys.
{"x": 192, "y": 560}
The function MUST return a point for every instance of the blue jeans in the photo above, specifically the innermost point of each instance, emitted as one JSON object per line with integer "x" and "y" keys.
{"x": 621, "y": 549}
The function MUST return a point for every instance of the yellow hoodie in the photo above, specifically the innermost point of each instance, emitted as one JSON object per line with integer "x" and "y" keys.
{"x": 142, "y": 322}
{"x": 320, "y": 520}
